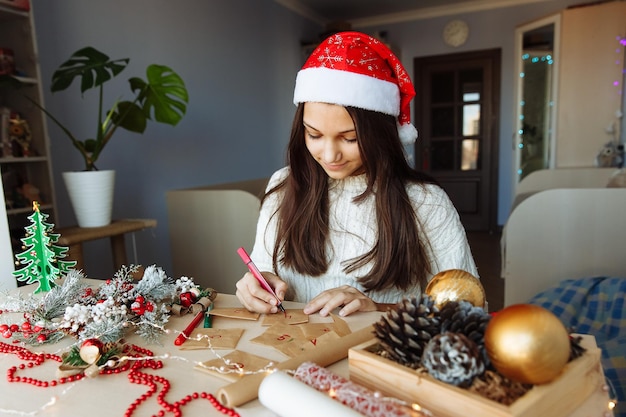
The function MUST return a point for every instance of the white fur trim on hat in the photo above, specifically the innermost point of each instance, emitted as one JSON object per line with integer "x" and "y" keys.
{"x": 325, "y": 85}
{"x": 407, "y": 133}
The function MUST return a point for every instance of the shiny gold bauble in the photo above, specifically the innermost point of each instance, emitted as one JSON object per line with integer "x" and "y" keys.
{"x": 456, "y": 285}
{"x": 527, "y": 343}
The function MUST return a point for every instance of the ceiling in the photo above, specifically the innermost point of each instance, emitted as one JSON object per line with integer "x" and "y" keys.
{"x": 362, "y": 13}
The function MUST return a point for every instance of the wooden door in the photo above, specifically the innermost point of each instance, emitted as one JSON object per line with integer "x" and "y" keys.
{"x": 456, "y": 114}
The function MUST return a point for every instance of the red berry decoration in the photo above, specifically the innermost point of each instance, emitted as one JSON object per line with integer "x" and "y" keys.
{"x": 187, "y": 299}
{"x": 41, "y": 338}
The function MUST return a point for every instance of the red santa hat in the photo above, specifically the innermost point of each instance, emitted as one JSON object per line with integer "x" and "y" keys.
{"x": 354, "y": 69}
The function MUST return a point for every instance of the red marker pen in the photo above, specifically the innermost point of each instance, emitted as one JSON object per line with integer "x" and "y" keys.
{"x": 185, "y": 333}
{"x": 259, "y": 277}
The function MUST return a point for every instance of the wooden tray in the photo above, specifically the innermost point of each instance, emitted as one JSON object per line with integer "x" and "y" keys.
{"x": 559, "y": 398}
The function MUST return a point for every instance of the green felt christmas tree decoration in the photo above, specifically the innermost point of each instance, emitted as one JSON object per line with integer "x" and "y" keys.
{"x": 41, "y": 257}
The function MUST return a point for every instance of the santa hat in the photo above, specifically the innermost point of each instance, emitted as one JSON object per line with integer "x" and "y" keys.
{"x": 354, "y": 69}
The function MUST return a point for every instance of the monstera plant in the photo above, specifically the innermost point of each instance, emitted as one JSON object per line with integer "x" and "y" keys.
{"x": 162, "y": 97}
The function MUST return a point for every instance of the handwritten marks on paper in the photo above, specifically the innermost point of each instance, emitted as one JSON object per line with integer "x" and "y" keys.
{"x": 290, "y": 317}
{"x": 290, "y": 333}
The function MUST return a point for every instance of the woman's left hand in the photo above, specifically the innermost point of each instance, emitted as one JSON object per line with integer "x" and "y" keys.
{"x": 349, "y": 298}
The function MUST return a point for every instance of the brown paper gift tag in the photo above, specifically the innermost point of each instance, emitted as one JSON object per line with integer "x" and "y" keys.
{"x": 212, "y": 338}
{"x": 235, "y": 313}
{"x": 291, "y": 316}
{"x": 234, "y": 365}
{"x": 319, "y": 341}
{"x": 283, "y": 337}
{"x": 340, "y": 325}
{"x": 315, "y": 330}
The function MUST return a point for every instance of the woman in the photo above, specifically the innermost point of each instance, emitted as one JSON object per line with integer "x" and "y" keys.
{"x": 348, "y": 223}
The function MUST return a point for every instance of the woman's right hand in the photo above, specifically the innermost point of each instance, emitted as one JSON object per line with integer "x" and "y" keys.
{"x": 255, "y": 298}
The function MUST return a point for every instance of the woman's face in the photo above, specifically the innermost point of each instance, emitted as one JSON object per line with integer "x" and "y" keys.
{"x": 331, "y": 139}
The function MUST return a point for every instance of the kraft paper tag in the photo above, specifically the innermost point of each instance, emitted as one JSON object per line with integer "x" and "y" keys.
{"x": 283, "y": 337}
{"x": 340, "y": 325}
{"x": 235, "y": 313}
{"x": 315, "y": 330}
{"x": 319, "y": 341}
{"x": 291, "y": 316}
{"x": 234, "y": 365}
{"x": 212, "y": 338}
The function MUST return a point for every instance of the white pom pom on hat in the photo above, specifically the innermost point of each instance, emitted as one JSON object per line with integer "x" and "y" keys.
{"x": 354, "y": 69}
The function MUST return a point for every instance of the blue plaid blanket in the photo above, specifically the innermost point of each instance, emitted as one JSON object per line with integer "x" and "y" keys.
{"x": 595, "y": 306}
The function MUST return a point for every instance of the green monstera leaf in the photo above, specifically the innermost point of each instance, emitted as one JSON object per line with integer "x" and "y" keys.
{"x": 92, "y": 67}
{"x": 162, "y": 97}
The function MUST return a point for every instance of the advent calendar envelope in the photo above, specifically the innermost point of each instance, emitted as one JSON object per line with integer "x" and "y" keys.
{"x": 232, "y": 366}
{"x": 282, "y": 337}
{"x": 291, "y": 316}
{"x": 212, "y": 339}
{"x": 315, "y": 330}
{"x": 235, "y": 313}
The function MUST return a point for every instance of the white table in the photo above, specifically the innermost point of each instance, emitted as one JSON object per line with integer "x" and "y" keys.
{"x": 110, "y": 395}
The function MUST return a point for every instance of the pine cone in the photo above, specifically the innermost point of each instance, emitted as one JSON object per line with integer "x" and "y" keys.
{"x": 453, "y": 358}
{"x": 404, "y": 331}
{"x": 467, "y": 319}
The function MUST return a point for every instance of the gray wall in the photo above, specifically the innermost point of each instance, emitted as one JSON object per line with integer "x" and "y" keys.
{"x": 238, "y": 59}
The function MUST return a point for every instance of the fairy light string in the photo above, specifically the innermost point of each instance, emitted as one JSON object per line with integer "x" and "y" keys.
{"x": 136, "y": 362}
{"x": 74, "y": 308}
{"x": 141, "y": 366}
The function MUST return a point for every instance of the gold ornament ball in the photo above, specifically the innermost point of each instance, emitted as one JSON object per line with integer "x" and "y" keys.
{"x": 527, "y": 343}
{"x": 456, "y": 285}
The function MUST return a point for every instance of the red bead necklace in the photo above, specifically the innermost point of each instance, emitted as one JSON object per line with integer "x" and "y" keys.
{"x": 135, "y": 376}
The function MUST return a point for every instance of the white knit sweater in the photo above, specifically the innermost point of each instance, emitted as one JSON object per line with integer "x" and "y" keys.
{"x": 353, "y": 232}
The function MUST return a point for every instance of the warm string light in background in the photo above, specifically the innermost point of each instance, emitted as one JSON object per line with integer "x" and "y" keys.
{"x": 619, "y": 61}
{"x": 620, "y": 51}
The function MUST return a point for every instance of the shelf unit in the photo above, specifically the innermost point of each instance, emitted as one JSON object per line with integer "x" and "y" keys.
{"x": 17, "y": 33}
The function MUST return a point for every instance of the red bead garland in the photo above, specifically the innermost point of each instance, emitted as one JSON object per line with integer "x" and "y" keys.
{"x": 135, "y": 376}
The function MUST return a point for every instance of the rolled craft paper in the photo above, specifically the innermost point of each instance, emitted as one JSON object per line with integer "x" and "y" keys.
{"x": 289, "y": 397}
{"x": 367, "y": 402}
{"x": 247, "y": 388}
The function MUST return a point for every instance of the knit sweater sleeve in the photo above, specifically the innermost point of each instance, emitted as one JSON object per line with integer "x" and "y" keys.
{"x": 449, "y": 248}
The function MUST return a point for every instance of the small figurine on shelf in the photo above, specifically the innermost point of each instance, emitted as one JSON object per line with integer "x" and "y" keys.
{"x": 29, "y": 192}
{"x": 20, "y": 136}
{"x": 6, "y": 150}
{"x": 7, "y": 61}
{"x": 41, "y": 257}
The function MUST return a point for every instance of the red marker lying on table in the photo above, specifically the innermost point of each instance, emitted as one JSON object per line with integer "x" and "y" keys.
{"x": 259, "y": 277}
{"x": 185, "y": 333}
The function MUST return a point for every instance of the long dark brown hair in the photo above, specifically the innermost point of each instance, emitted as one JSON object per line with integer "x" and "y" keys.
{"x": 399, "y": 256}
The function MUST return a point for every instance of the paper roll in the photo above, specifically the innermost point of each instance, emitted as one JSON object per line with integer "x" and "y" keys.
{"x": 247, "y": 388}
{"x": 289, "y": 397}
{"x": 367, "y": 402}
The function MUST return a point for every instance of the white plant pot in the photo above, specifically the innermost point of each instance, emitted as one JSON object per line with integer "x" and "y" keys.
{"x": 91, "y": 195}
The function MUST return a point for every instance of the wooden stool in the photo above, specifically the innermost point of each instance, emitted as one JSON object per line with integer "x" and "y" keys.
{"x": 73, "y": 237}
